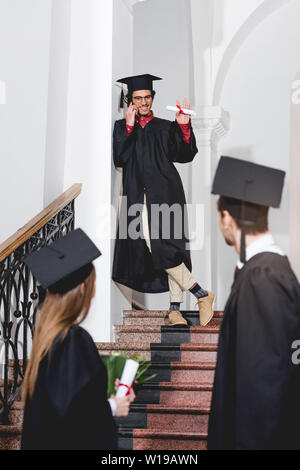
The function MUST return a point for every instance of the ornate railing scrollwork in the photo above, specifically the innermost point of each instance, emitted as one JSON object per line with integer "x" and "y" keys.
{"x": 19, "y": 294}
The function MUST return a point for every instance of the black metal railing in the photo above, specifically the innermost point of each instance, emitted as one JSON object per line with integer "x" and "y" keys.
{"x": 19, "y": 299}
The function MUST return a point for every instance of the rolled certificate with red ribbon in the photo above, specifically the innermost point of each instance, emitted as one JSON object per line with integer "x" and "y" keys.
{"x": 177, "y": 108}
{"x": 127, "y": 378}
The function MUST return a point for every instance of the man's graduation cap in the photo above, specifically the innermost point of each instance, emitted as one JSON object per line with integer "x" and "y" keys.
{"x": 247, "y": 183}
{"x": 137, "y": 82}
{"x": 64, "y": 264}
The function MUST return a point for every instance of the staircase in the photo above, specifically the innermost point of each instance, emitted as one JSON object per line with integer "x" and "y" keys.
{"x": 171, "y": 412}
{"x": 10, "y": 435}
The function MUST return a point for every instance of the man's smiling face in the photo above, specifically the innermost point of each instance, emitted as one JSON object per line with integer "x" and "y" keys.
{"x": 142, "y": 100}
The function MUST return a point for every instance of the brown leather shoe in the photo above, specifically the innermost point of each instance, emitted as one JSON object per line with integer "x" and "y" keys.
{"x": 175, "y": 318}
{"x": 206, "y": 308}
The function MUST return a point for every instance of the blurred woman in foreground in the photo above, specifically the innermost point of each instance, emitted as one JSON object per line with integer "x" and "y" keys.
{"x": 65, "y": 385}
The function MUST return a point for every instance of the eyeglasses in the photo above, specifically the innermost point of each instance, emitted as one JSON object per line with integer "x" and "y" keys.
{"x": 139, "y": 99}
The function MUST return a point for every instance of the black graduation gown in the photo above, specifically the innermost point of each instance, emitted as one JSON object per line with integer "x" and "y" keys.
{"x": 69, "y": 408}
{"x": 256, "y": 396}
{"x": 147, "y": 157}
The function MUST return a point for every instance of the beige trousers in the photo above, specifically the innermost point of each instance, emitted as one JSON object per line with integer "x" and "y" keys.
{"x": 180, "y": 278}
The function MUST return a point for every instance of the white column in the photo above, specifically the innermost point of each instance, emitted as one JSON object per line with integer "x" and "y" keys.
{"x": 88, "y": 142}
{"x": 210, "y": 124}
{"x": 2, "y": 92}
{"x": 121, "y": 296}
{"x": 202, "y": 30}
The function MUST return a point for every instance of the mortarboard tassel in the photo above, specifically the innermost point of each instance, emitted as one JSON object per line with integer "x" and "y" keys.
{"x": 243, "y": 234}
{"x": 122, "y": 99}
{"x": 243, "y": 246}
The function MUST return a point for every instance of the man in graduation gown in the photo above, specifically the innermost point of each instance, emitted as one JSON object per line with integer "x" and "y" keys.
{"x": 146, "y": 148}
{"x": 255, "y": 402}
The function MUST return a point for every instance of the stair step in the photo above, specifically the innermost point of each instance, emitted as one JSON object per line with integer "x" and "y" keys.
{"x": 194, "y": 352}
{"x": 16, "y": 413}
{"x": 144, "y": 346}
{"x": 168, "y": 393}
{"x": 148, "y": 439}
{"x": 162, "y": 352}
{"x": 167, "y": 409}
{"x": 180, "y": 372}
{"x": 10, "y": 437}
{"x": 167, "y": 334}
{"x": 164, "y": 313}
{"x": 167, "y": 418}
{"x": 161, "y": 317}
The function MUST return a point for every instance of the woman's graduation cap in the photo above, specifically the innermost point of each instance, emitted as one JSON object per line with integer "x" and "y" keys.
{"x": 64, "y": 264}
{"x": 137, "y": 82}
{"x": 247, "y": 184}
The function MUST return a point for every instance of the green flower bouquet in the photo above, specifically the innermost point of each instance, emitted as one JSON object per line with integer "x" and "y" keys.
{"x": 115, "y": 363}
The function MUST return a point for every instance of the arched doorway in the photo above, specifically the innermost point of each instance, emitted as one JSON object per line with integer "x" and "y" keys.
{"x": 256, "y": 93}
{"x": 295, "y": 176}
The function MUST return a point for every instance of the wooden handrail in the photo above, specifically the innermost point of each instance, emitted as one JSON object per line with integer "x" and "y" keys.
{"x": 25, "y": 232}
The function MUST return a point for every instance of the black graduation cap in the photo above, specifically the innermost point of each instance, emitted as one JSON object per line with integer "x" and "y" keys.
{"x": 137, "y": 82}
{"x": 247, "y": 183}
{"x": 64, "y": 264}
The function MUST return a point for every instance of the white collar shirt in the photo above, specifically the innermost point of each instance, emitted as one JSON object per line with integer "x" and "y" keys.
{"x": 266, "y": 243}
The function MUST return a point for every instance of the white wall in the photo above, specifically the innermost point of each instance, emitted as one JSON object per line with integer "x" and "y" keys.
{"x": 24, "y": 66}
{"x": 57, "y": 100}
{"x": 257, "y": 95}
{"x": 162, "y": 47}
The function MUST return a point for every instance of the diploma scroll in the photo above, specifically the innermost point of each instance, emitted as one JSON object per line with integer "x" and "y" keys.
{"x": 191, "y": 112}
{"x": 127, "y": 378}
